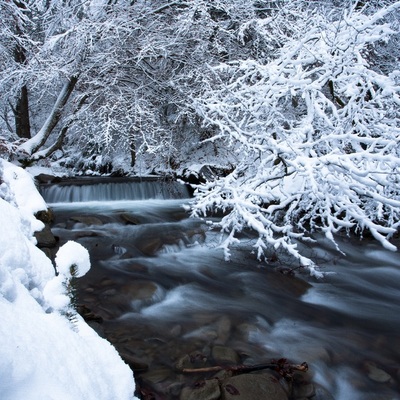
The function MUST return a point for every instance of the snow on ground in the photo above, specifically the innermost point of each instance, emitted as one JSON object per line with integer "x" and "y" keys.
{"x": 44, "y": 355}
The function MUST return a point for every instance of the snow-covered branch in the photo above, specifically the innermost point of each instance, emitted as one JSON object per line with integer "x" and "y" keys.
{"x": 318, "y": 133}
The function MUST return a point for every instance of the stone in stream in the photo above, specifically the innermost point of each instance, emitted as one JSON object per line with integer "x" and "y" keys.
{"x": 150, "y": 246}
{"x": 155, "y": 376}
{"x": 87, "y": 220}
{"x": 376, "y": 374}
{"x": 195, "y": 359}
{"x": 303, "y": 390}
{"x": 204, "y": 390}
{"x": 322, "y": 394}
{"x": 45, "y": 237}
{"x": 129, "y": 219}
{"x": 139, "y": 290}
{"x": 225, "y": 355}
{"x": 223, "y": 330}
{"x": 134, "y": 363}
{"x": 252, "y": 387}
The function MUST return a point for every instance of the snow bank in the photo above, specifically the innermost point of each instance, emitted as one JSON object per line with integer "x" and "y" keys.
{"x": 42, "y": 354}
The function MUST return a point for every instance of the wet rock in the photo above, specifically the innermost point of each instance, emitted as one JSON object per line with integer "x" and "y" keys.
{"x": 120, "y": 250}
{"x": 204, "y": 333}
{"x": 174, "y": 389}
{"x": 303, "y": 390}
{"x": 46, "y": 216}
{"x": 134, "y": 363}
{"x": 129, "y": 219}
{"x": 225, "y": 355}
{"x": 87, "y": 220}
{"x": 139, "y": 290}
{"x": 376, "y": 374}
{"x": 107, "y": 282}
{"x": 98, "y": 328}
{"x": 45, "y": 237}
{"x": 223, "y": 330}
{"x": 253, "y": 386}
{"x": 47, "y": 178}
{"x": 135, "y": 267}
{"x": 205, "y": 390}
{"x": 195, "y": 359}
{"x": 83, "y": 234}
{"x": 176, "y": 331}
{"x": 87, "y": 314}
{"x": 246, "y": 329}
{"x": 49, "y": 253}
{"x": 151, "y": 246}
{"x": 322, "y": 394}
{"x": 313, "y": 353}
{"x": 156, "y": 375}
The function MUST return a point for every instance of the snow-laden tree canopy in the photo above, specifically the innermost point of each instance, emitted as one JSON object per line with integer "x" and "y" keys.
{"x": 317, "y": 129}
{"x": 301, "y": 98}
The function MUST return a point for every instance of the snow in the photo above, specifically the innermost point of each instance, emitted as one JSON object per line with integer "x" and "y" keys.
{"x": 72, "y": 253}
{"x": 43, "y": 354}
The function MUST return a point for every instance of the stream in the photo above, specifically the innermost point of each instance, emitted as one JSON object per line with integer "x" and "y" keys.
{"x": 161, "y": 292}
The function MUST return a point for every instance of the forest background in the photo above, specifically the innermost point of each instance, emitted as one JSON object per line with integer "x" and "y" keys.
{"x": 285, "y": 112}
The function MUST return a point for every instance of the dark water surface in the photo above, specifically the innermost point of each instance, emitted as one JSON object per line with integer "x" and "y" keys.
{"x": 160, "y": 290}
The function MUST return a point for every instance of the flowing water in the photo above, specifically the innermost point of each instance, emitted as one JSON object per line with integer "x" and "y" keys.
{"x": 160, "y": 290}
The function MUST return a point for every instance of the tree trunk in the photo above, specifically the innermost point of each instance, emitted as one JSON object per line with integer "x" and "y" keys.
{"x": 57, "y": 145}
{"x": 133, "y": 152}
{"x": 36, "y": 142}
{"x": 21, "y": 115}
{"x": 21, "y": 110}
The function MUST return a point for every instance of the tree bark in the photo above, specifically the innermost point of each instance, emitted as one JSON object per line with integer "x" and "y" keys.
{"x": 57, "y": 145}
{"x": 32, "y": 145}
{"x": 21, "y": 115}
{"x": 21, "y": 110}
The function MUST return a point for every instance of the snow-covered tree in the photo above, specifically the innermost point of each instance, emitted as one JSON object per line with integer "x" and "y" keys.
{"x": 317, "y": 127}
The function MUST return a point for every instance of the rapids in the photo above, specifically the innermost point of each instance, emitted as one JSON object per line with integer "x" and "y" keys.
{"x": 160, "y": 289}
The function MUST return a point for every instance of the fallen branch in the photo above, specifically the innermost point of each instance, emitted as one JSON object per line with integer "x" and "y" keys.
{"x": 281, "y": 366}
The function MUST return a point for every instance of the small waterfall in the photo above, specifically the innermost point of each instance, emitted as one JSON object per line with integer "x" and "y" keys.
{"x": 112, "y": 190}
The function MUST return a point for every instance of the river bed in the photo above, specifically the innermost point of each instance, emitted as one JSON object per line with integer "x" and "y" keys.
{"x": 162, "y": 293}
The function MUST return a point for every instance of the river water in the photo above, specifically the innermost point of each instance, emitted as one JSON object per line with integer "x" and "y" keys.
{"x": 160, "y": 290}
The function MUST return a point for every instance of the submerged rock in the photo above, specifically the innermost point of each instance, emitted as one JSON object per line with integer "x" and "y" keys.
{"x": 376, "y": 374}
{"x": 252, "y": 387}
{"x": 195, "y": 359}
{"x": 130, "y": 219}
{"x": 225, "y": 355}
{"x": 87, "y": 220}
{"x": 205, "y": 390}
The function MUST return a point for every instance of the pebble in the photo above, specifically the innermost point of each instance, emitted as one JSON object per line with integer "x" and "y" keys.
{"x": 226, "y": 355}
{"x": 376, "y": 374}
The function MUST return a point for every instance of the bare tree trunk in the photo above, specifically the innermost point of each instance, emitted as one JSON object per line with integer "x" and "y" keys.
{"x": 21, "y": 115}
{"x": 21, "y": 110}
{"x": 132, "y": 146}
{"x": 36, "y": 142}
{"x": 57, "y": 145}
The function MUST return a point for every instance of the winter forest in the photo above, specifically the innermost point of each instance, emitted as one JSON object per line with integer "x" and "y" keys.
{"x": 292, "y": 106}
{"x": 284, "y": 116}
